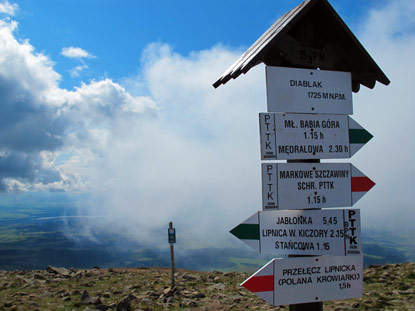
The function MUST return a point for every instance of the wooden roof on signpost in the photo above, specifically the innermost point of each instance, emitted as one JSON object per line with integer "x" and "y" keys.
{"x": 312, "y": 35}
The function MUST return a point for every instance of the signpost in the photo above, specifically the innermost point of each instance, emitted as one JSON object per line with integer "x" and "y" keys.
{"x": 303, "y": 232}
{"x": 308, "y": 91}
{"x": 310, "y": 136}
{"x": 312, "y": 185}
{"x": 171, "y": 232}
{"x": 306, "y": 121}
{"x": 280, "y": 281}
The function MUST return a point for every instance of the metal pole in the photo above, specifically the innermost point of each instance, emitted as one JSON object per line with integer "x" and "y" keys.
{"x": 172, "y": 258}
{"x": 312, "y": 306}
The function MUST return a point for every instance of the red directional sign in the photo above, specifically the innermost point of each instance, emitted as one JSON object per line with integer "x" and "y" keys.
{"x": 312, "y": 185}
{"x": 308, "y": 279}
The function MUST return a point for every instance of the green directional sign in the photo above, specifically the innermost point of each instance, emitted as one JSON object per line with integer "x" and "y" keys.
{"x": 303, "y": 232}
{"x": 246, "y": 231}
{"x": 286, "y": 136}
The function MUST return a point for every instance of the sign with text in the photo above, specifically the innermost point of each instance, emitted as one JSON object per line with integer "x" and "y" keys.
{"x": 303, "y": 232}
{"x": 308, "y": 279}
{"x": 308, "y": 91}
{"x": 312, "y": 185}
{"x": 310, "y": 136}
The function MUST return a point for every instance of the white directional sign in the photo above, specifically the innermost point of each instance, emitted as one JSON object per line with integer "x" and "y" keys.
{"x": 303, "y": 232}
{"x": 312, "y": 185}
{"x": 308, "y": 91}
{"x": 308, "y": 279}
{"x": 310, "y": 136}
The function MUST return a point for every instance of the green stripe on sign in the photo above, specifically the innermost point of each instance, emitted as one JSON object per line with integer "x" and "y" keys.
{"x": 359, "y": 136}
{"x": 246, "y": 232}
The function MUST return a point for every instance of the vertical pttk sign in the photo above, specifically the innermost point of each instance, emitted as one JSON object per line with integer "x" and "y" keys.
{"x": 171, "y": 235}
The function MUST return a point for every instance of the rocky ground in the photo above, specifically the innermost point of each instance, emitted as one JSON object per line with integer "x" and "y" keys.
{"x": 388, "y": 287}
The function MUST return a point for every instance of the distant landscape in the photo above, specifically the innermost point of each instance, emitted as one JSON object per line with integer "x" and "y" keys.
{"x": 34, "y": 238}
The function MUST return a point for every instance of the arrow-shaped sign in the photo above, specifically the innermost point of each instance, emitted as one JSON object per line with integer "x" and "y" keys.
{"x": 312, "y": 185}
{"x": 303, "y": 232}
{"x": 307, "y": 136}
{"x": 308, "y": 279}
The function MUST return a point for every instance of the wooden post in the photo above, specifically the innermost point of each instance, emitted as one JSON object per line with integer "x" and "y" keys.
{"x": 312, "y": 306}
{"x": 171, "y": 255}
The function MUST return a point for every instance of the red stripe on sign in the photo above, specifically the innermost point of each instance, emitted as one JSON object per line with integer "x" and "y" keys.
{"x": 264, "y": 283}
{"x": 361, "y": 184}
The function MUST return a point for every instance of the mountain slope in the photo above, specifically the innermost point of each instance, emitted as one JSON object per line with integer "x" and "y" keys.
{"x": 387, "y": 287}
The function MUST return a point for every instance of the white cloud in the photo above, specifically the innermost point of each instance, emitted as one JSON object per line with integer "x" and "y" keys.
{"x": 389, "y": 114}
{"x": 38, "y": 118}
{"x": 75, "y": 52}
{"x": 198, "y": 163}
{"x": 8, "y": 8}
{"x": 75, "y": 72}
{"x": 178, "y": 149}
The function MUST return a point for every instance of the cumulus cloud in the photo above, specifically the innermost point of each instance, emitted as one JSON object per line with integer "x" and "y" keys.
{"x": 75, "y": 52}
{"x": 389, "y": 113}
{"x": 8, "y": 8}
{"x": 198, "y": 162}
{"x": 166, "y": 146}
{"x": 39, "y": 121}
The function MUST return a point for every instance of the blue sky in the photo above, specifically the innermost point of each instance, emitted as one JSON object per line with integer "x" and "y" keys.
{"x": 116, "y": 32}
{"x": 114, "y": 99}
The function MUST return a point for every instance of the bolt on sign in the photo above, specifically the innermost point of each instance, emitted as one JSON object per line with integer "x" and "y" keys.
{"x": 308, "y": 279}
{"x": 308, "y": 91}
{"x": 310, "y": 136}
{"x": 303, "y": 232}
{"x": 312, "y": 185}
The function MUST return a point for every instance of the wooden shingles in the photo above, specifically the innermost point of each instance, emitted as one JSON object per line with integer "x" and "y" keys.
{"x": 311, "y": 35}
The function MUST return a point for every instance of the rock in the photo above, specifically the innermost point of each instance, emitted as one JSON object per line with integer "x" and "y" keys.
{"x": 60, "y": 271}
{"x": 168, "y": 292}
{"x": 84, "y": 295}
{"x": 189, "y": 303}
{"x": 19, "y": 294}
{"x": 191, "y": 277}
{"x": 92, "y": 301}
{"x": 374, "y": 266}
{"x": 355, "y": 305}
{"x": 217, "y": 286}
{"x": 38, "y": 276}
{"x": 125, "y": 303}
{"x": 76, "y": 292}
{"x": 408, "y": 292}
{"x": 62, "y": 291}
{"x": 199, "y": 295}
